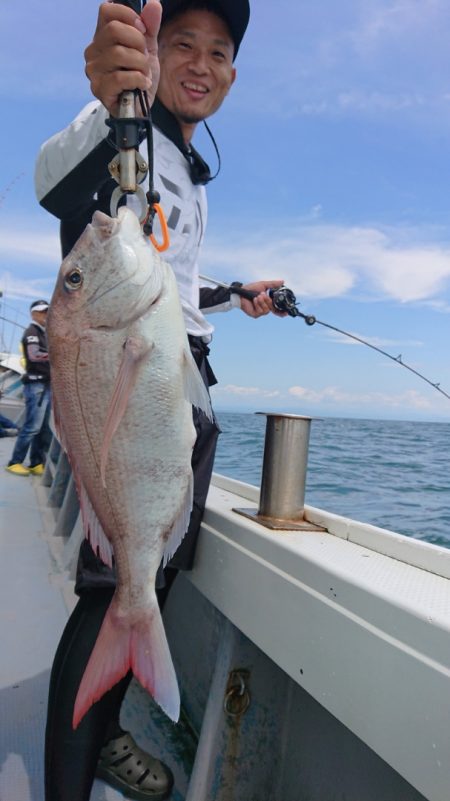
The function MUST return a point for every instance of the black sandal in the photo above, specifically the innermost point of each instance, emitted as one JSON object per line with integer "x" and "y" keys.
{"x": 128, "y": 768}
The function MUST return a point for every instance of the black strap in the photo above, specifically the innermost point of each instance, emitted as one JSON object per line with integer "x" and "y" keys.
{"x": 167, "y": 123}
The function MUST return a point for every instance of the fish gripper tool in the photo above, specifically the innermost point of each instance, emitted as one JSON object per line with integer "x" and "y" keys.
{"x": 128, "y": 167}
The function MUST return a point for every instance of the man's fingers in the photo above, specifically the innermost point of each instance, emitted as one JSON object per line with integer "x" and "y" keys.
{"x": 116, "y": 58}
{"x": 115, "y": 11}
{"x": 110, "y": 87}
{"x": 151, "y": 17}
{"x": 117, "y": 34}
{"x": 263, "y": 304}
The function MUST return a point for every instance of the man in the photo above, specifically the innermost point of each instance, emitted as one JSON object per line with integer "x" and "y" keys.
{"x": 35, "y": 433}
{"x": 198, "y": 42}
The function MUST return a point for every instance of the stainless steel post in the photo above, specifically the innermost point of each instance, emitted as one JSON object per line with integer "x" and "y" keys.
{"x": 282, "y": 496}
{"x": 284, "y": 466}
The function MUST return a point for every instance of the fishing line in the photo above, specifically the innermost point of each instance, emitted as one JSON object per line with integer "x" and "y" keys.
{"x": 12, "y": 322}
{"x": 4, "y": 346}
{"x": 4, "y": 374}
{"x": 397, "y": 359}
{"x": 9, "y": 187}
{"x": 18, "y": 313}
{"x": 2, "y": 334}
{"x": 284, "y": 300}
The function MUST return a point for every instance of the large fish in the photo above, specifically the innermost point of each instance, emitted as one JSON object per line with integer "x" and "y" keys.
{"x": 123, "y": 385}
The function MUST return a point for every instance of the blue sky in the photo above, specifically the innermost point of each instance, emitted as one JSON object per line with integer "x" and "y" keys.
{"x": 335, "y": 150}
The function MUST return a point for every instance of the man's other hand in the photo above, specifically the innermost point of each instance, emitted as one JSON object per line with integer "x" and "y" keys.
{"x": 262, "y": 303}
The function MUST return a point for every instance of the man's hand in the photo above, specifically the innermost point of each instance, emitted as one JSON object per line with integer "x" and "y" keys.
{"x": 262, "y": 304}
{"x": 123, "y": 54}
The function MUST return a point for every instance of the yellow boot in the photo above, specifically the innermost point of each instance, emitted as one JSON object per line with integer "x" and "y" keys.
{"x": 37, "y": 470}
{"x": 18, "y": 469}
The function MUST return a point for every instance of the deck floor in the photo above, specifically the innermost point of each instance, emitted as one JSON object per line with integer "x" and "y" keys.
{"x": 32, "y": 616}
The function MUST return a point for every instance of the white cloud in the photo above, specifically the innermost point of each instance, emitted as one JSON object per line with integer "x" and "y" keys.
{"x": 366, "y": 101}
{"x": 332, "y": 399}
{"x": 14, "y": 288}
{"x": 247, "y": 392}
{"x": 352, "y": 59}
{"x": 325, "y": 261}
{"x": 410, "y": 399}
{"x": 317, "y": 260}
{"x": 382, "y": 23}
{"x": 19, "y": 243}
{"x": 413, "y": 273}
{"x": 376, "y": 342}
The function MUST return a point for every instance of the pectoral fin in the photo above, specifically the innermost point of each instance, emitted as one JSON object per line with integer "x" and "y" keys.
{"x": 181, "y": 523}
{"x": 135, "y": 351}
{"x": 195, "y": 391}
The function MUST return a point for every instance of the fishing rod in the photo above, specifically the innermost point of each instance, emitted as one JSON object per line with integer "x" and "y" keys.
{"x": 284, "y": 300}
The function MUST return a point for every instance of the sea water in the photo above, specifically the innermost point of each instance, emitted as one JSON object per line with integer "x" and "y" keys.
{"x": 389, "y": 473}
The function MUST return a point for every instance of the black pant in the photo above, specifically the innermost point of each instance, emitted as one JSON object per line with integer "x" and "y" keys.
{"x": 71, "y": 756}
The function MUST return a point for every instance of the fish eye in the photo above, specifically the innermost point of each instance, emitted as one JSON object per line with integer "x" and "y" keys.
{"x": 73, "y": 280}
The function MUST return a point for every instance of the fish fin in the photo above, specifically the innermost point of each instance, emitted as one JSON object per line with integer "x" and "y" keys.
{"x": 93, "y": 529}
{"x": 143, "y": 648}
{"x": 135, "y": 351}
{"x": 57, "y": 419}
{"x": 152, "y": 665}
{"x": 195, "y": 391}
{"x": 181, "y": 524}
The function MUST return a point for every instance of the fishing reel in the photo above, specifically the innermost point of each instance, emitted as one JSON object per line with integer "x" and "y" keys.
{"x": 284, "y": 300}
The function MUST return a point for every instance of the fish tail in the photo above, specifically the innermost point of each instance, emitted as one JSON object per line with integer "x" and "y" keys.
{"x": 141, "y": 647}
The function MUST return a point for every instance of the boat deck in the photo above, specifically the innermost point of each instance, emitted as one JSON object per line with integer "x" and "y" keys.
{"x": 32, "y": 616}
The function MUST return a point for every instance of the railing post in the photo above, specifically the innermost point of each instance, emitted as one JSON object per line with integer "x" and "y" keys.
{"x": 284, "y": 466}
{"x": 282, "y": 498}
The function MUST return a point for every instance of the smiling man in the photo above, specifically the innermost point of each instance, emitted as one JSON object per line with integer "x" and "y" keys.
{"x": 187, "y": 69}
{"x": 196, "y": 54}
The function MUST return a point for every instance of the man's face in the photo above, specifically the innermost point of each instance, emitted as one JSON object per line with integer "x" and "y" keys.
{"x": 196, "y": 57}
{"x": 39, "y": 317}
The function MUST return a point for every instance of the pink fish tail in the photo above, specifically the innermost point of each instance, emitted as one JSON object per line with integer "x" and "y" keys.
{"x": 143, "y": 648}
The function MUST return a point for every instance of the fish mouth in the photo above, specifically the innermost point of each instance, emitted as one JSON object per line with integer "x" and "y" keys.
{"x": 127, "y": 321}
{"x": 104, "y": 225}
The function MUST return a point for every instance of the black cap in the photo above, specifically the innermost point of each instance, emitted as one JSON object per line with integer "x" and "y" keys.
{"x": 236, "y": 13}
{"x": 39, "y": 305}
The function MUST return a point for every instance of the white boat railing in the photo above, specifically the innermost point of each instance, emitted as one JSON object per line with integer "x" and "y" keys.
{"x": 314, "y": 663}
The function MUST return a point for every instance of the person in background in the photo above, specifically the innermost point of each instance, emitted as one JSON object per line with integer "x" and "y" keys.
{"x": 35, "y": 433}
{"x": 7, "y": 427}
{"x": 189, "y": 64}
